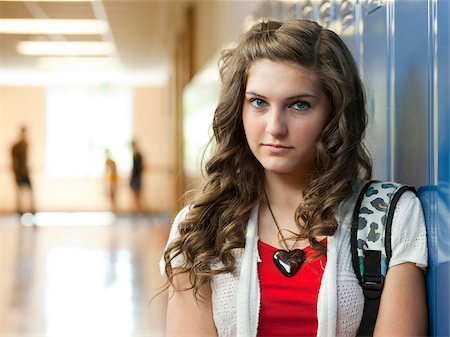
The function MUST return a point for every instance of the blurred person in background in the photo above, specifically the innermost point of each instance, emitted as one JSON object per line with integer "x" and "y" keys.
{"x": 111, "y": 178}
{"x": 136, "y": 176}
{"x": 19, "y": 155}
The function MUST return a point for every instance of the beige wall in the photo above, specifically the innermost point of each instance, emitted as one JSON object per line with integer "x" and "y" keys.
{"x": 26, "y": 105}
{"x": 216, "y": 24}
{"x": 153, "y": 128}
{"x": 17, "y": 107}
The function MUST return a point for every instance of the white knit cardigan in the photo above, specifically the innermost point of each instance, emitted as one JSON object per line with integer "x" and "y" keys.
{"x": 236, "y": 296}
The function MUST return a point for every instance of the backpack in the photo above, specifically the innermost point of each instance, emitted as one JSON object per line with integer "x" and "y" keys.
{"x": 371, "y": 243}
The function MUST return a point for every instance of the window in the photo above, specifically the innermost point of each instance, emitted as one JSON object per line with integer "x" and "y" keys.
{"x": 81, "y": 124}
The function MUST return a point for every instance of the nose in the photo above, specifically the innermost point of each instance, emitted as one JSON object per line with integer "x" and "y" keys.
{"x": 276, "y": 123}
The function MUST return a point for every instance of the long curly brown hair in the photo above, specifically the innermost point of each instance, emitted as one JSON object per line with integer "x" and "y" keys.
{"x": 217, "y": 220}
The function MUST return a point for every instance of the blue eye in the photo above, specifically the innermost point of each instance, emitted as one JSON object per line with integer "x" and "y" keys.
{"x": 300, "y": 105}
{"x": 258, "y": 103}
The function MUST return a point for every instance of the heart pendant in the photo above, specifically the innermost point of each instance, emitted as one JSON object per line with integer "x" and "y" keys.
{"x": 289, "y": 262}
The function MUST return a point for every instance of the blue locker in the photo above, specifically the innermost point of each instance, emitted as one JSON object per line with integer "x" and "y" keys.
{"x": 437, "y": 195}
{"x": 375, "y": 72}
{"x": 416, "y": 148}
{"x": 402, "y": 47}
{"x": 422, "y": 132}
{"x": 411, "y": 98}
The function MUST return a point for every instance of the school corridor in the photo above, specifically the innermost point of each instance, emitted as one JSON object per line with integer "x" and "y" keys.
{"x": 105, "y": 117}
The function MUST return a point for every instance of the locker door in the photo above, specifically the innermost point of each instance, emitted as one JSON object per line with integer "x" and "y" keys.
{"x": 421, "y": 132}
{"x": 411, "y": 83}
{"x": 437, "y": 198}
{"x": 406, "y": 69}
{"x": 373, "y": 28}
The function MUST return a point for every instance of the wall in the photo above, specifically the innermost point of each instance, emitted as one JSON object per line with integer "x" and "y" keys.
{"x": 26, "y": 104}
{"x": 216, "y": 24}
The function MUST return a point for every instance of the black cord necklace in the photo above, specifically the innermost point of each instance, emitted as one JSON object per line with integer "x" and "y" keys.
{"x": 288, "y": 261}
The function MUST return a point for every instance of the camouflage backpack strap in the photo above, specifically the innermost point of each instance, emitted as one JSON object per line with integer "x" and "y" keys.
{"x": 371, "y": 243}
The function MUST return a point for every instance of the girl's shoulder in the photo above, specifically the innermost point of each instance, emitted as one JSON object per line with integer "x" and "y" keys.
{"x": 174, "y": 233}
{"x": 398, "y": 205}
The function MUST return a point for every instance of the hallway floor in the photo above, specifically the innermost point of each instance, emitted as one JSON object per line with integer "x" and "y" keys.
{"x": 85, "y": 279}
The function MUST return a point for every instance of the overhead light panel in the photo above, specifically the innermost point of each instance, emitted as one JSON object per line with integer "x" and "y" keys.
{"x": 85, "y": 62}
{"x": 51, "y": 0}
{"x": 72, "y": 48}
{"x": 53, "y": 26}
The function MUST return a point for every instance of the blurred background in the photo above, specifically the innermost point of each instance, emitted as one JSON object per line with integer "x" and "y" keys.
{"x": 105, "y": 108}
{"x": 86, "y": 76}
{"x": 105, "y": 111}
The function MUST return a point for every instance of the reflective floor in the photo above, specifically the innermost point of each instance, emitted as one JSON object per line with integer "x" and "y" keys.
{"x": 81, "y": 275}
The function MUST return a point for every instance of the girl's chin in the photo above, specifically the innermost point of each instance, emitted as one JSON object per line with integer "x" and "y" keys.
{"x": 287, "y": 170}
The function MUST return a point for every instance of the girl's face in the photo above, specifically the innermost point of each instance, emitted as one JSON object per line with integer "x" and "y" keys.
{"x": 284, "y": 112}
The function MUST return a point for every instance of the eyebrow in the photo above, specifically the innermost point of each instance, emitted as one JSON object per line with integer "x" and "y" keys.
{"x": 305, "y": 95}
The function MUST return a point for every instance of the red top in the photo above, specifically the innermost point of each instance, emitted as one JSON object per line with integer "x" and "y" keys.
{"x": 289, "y": 304}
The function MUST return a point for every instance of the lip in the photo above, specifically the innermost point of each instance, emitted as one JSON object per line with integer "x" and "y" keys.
{"x": 277, "y": 148}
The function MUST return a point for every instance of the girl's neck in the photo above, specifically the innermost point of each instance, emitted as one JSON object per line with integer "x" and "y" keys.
{"x": 285, "y": 189}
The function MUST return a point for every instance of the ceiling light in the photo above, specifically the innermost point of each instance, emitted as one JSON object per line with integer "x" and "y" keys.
{"x": 11, "y": 77}
{"x": 65, "y": 48}
{"x": 51, "y": 0}
{"x": 53, "y": 26}
{"x": 77, "y": 62}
